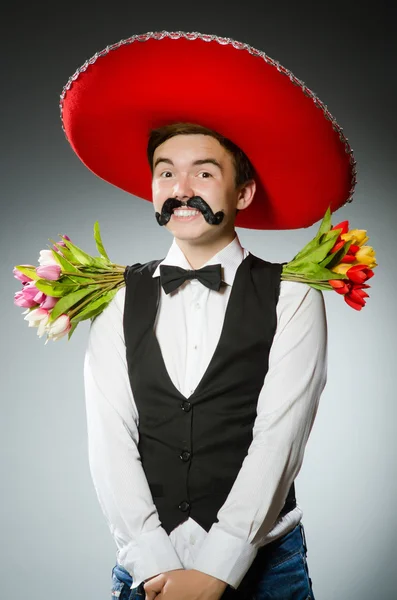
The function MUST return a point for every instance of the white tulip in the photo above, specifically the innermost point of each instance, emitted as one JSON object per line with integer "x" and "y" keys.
{"x": 35, "y": 316}
{"x": 42, "y": 326}
{"x": 46, "y": 258}
{"x": 58, "y": 328}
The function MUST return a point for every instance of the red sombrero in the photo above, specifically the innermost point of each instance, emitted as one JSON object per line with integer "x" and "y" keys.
{"x": 302, "y": 159}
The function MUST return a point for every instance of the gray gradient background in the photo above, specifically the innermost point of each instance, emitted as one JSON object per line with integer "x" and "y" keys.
{"x": 55, "y": 541}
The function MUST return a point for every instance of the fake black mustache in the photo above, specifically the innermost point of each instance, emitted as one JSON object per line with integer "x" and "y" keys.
{"x": 195, "y": 202}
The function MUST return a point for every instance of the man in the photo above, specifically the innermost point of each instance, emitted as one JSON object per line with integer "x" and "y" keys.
{"x": 203, "y": 375}
{"x": 186, "y": 166}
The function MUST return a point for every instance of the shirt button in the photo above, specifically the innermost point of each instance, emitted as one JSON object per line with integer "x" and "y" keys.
{"x": 195, "y": 346}
{"x": 185, "y": 455}
{"x": 192, "y": 539}
{"x": 184, "y": 506}
{"x": 186, "y": 406}
{"x": 197, "y": 306}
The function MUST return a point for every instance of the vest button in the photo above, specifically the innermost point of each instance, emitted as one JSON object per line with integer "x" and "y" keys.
{"x": 185, "y": 455}
{"x": 184, "y": 506}
{"x": 186, "y": 406}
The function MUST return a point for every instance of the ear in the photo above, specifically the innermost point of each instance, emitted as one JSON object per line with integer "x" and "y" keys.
{"x": 246, "y": 194}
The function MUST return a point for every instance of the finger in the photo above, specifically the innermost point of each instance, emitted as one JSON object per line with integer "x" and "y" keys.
{"x": 151, "y": 595}
{"x": 154, "y": 585}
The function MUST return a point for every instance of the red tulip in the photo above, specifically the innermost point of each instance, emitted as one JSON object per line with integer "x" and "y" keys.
{"x": 348, "y": 258}
{"x": 355, "y": 298}
{"x": 337, "y": 246}
{"x": 359, "y": 273}
{"x": 353, "y": 293}
{"x": 339, "y": 285}
{"x": 344, "y": 225}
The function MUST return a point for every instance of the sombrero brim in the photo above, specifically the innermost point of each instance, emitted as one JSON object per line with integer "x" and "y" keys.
{"x": 302, "y": 159}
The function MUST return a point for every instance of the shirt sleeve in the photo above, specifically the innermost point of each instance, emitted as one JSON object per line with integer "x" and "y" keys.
{"x": 144, "y": 547}
{"x": 286, "y": 410}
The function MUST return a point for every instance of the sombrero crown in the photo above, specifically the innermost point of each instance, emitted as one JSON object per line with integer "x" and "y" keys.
{"x": 302, "y": 160}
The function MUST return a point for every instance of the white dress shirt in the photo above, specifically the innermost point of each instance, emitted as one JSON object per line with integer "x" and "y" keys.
{"x": 188, "y": 327}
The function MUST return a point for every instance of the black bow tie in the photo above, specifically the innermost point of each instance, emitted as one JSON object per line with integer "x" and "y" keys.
{"x": 171, "y": 277}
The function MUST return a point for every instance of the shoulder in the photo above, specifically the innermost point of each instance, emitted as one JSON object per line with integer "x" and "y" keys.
{"x": 295, "y": 290}
{"x": 146, "y": 268}
{"x": 301, "y": 299}
{"x": 111, "y": 318}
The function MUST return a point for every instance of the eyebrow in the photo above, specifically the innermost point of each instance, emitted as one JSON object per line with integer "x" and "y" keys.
{"x": 200, "y": 161}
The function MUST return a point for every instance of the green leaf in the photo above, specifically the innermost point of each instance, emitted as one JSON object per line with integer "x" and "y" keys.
{"x": 66, "y": 252}
{"x": 67, "y": 266}
{"x": 98, "y": 241}
{"x": 56, "y": 288}
{"x": 65, "y": 303}
{"x": 28, "y": 271}
{"x": 71, "y": 330}
{"x": 79, "y": 279}
{"x": 325, "y": 226}
{"x": 306, "y": 249}
{"x": 86, "y": 259}
{"x": 321, "y": 286}
{"x": 95, "y": 307}
{"x": 325, "y": 223}
{"x": 312, "y": 271}
{"x": 63, "y": 262}
{"x": 80, "y": 256}
{"x": 318, "y": 254}
{"x": 97, "y": 311}
{"x": 333, "y": 259}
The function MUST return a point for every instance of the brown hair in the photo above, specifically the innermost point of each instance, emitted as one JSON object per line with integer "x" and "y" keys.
{"x": 242, "y": 165}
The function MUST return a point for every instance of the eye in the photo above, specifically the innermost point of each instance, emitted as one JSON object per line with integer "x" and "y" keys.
{"x": 164, "y": 173}
{"x": 205, "y": 173}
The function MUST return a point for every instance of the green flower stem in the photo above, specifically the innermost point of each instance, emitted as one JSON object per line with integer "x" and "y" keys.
{"x": 293, "y": 277}
{"x": 93, "y": 297}
{"x": 89, "y": 274}
{"x": 111, "y": 280}
{"x": 302, "y": 279}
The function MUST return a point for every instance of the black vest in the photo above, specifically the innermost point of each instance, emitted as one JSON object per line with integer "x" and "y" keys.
{"x": 192, "y": 448}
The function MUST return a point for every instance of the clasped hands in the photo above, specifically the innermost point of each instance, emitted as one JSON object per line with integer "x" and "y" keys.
{"x": 184, "y": 584}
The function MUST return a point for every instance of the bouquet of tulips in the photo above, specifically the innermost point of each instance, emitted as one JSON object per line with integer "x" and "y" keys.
{"x": 70, "y": 285}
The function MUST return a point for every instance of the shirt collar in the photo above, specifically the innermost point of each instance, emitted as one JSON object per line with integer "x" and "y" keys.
{"x": 230, "y": 258}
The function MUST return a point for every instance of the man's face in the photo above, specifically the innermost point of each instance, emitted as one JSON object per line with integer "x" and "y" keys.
{"x": 195, "y": 165}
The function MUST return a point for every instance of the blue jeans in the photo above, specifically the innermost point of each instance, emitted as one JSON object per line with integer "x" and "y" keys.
{"x": 278, "y": 572}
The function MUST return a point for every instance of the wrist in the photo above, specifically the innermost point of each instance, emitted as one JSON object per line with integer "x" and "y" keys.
{"x": 215, "y": 584}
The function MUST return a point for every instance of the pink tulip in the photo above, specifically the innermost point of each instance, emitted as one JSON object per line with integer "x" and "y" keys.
{"x": 49, "y": 302}
{"x": 50, "y": 272}
{"x": 40, "y": 297}
{"x": 66, "y": 237}
{"x": 21, "y": 300}
{"x": 21, "y": 276}
{"x": 61, "y": 244}
{"x": 31, "y": 292}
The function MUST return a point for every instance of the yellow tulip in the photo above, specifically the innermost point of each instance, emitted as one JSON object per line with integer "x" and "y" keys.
{"x": 341, "y": 268}
{"x": 366, "y": 256}
{"x": 357, "y": 236}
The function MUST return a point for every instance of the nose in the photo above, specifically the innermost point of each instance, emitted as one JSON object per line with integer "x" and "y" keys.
{"x": 182, "y": 189}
